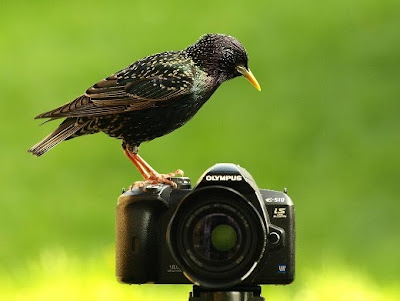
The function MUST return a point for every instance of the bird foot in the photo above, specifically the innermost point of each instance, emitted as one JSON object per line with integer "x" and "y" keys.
{"x": 156, "y": 178}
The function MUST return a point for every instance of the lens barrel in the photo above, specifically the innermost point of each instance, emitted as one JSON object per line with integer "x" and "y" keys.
{"x": 217, "y": 237}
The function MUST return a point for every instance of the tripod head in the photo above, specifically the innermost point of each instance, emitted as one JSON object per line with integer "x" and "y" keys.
{"x": 238, "y": 293}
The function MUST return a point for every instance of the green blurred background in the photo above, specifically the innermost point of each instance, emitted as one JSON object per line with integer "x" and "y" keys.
{"x": 325, "y": 125}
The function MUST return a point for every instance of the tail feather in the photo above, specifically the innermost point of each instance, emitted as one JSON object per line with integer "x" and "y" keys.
{"x": 65, "y": 130}
{"x": 67, "y": 109}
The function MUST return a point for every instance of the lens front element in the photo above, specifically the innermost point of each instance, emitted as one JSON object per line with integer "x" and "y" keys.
{"x": 224, "y": 238}
{"x": 215, "y": 237}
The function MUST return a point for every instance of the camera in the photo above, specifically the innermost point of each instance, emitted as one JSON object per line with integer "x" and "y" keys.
{"x": 222, "y": 233}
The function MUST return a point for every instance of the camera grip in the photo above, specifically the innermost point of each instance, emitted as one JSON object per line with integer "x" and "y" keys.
{"x": 137, "y": 238}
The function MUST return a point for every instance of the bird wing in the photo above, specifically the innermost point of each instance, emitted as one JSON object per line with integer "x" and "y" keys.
{"x": 144, "y": 84}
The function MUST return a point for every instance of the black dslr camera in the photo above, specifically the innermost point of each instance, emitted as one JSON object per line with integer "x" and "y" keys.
{"x": 224, "y": 232}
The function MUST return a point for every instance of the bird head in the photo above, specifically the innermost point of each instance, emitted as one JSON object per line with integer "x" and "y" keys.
{"x": 222, "y": 57}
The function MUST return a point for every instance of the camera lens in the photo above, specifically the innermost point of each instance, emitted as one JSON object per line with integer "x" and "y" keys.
{"x": 216, "y": 236}
{"x": 216, "y": 239}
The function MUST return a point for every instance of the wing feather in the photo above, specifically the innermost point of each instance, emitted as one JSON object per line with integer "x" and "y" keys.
{"x": 142, "y": 85}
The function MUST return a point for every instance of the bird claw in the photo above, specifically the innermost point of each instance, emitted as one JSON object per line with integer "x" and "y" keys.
{"x": 178, "y": 172}
{"x": 157, "y": 178}
{"x": 137, "y": 184}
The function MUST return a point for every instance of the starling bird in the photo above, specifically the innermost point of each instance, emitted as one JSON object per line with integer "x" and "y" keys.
{"x": 150, "y": 98}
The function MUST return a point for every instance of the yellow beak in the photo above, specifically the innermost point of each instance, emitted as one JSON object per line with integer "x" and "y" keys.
{"x": 247, "y": 74}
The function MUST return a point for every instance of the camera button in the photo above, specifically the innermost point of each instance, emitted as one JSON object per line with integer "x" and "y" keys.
{"x": 274, "y": 238}
{"x": 152, "y": 188}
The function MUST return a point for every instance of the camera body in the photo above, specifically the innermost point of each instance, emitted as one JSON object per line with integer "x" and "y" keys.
{"x": 224, "y": 232}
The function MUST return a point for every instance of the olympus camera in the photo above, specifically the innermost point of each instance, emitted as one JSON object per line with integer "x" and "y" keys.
{"x": 222, "y": 233}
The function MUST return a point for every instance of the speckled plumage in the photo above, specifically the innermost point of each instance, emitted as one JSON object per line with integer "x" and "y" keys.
{"x": 151, "y": 97}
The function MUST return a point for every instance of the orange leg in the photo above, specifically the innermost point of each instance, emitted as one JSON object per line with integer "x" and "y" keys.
{"x": 149, "y": 174}
{"x": 134, "y": 159}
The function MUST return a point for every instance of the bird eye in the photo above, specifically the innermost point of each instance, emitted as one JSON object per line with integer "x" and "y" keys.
{"x": 228, "y": 51}
{"x": 227, "y": 58}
